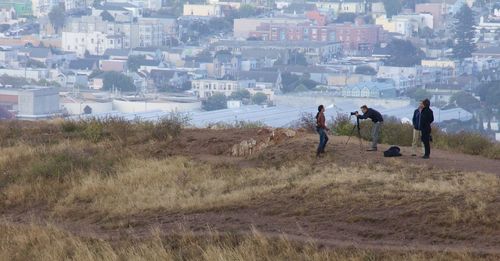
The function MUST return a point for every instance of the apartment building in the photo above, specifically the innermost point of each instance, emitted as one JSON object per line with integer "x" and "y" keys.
{"x": 213, "y": 10}
{"x": 204, "y": 88}
{"x": 43, "y": 7}
{"x": 95, "y": 35}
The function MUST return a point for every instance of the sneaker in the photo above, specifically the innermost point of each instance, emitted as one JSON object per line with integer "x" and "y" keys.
{"x": 372, "y": 149}
{"x": 425, "y": 157}
{"x": 413, "y": 155}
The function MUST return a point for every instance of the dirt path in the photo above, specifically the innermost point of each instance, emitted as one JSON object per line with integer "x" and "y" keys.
{"x": 326, "y": 225}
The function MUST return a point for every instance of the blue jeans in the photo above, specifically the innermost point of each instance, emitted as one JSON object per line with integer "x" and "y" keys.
{"x": 323, "y": 139}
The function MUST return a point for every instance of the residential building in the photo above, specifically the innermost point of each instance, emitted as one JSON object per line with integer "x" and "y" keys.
{"x": 162, "y": 78}
{"x": 43, "y": 7}
{"x": 313, "y": 51}
{"x": 437, "y": 10}
{"x": 404, "y": 77}
{"x": 209, "y": 10}
{"x": 244, "y": 26}
{"x": 77, "y": 4}
{"x": 407, "y": 24}
{"x": 355, "y": 37}
{"x": 204, "y": 88}
{"x": 8, "y": 56}
{"x": 343, "y": 7}
{"x": 148, "y": 4}
{"x": 370, "y": 90}
{"x": 95, "y": 35}
{"x": 22, "y": 7}
{"x": 7, "y": 15}
{"x": 263, "y": 79}
{"x": 226, "y": 65}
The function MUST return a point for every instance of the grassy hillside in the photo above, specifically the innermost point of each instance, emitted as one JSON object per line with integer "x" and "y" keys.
{"x": 113, "y": 190}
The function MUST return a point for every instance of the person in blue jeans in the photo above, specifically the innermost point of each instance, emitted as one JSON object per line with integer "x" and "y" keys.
{"x": 322, "y": 130}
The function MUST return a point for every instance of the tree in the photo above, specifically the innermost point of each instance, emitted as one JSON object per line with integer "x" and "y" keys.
{"x": 259, "y": 98}
{"x": 134, "y": 62}
{"x": 116, "y": 80}
{"x": 419, "y": 94}
{"x": 466, "y": 101}
{"x": 490, "y": 95}
{"x": 240, "y": 95}
{"x": 403, "y": 54}
{"x": 365, "y": 69}
{"x": 392, "y": 7}
{"x": 247, "y": 11}
{"x": 57, "y": 18}
{"x": 464, "y": 33}
{"x": 217, "y": 101}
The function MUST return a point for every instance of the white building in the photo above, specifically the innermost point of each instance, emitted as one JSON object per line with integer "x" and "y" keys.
{"x": 204, "y": 88}
{"x": 149, "y": 4}
{"x": 7, "y": 15}
{"x": 93, "y": 34}
{"x": 76, "y": 4}
{"x": 342, "y": 7}
{"x": 404, "y": 77}
{"x": 43, "y": 7}
{"x": 406, "y": 24}
{"x": 202, "y": 10}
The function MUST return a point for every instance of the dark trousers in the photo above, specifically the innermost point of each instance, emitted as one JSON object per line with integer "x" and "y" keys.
{"x": 323, "y": 140}
{"x": 426, "y": 140}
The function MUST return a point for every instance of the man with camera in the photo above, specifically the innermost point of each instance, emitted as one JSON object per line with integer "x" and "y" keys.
{"x": 376, "y": 117}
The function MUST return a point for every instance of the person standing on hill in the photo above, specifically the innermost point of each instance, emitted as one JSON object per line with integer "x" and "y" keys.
{"x": 322, "y": 129}
{"x": 377, "y": 119}
{"x": 426, "y": 119}
{"x": 417, "y": 136}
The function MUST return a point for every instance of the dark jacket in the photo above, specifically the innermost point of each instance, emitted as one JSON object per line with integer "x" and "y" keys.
{"x": 320, "y": 121}
{"x": 372, "y": 114}
{"x": 416, "y": 119}
{"x": 426, "y": 118}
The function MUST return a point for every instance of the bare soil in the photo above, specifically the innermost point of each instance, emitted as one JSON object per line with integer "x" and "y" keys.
{"x": 307, "y": 218}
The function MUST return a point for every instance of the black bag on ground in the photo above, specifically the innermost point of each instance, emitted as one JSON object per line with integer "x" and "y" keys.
{"x": 393, "y": 151}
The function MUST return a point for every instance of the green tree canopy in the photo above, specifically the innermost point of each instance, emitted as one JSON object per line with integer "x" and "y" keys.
{"x": 259, "y": 98}
{"x": 116, "y": 80}
{"x": 217, "y": 101}
{"x": 404, "y": 54}
{"x": 392, "y": 7}
{"x": 57, "y": 18}
{"x": 240, "y": 95}
{"x": 465, "y": 101}
{"x": 464, "y": 33}
{"x": 418, "y": 94}
{"x": 134, "y": 62}
{"x": 365, "y": 69}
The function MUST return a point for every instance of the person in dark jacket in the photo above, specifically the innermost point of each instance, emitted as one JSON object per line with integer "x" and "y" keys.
{"x": 322, "y": 129}
{"x": 376, "y": 117}
{"x": 426, "y": 119}
{"x": 417, "y": 136}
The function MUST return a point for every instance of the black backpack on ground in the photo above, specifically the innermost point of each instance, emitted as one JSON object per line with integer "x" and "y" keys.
{"x": 393, "y": 151}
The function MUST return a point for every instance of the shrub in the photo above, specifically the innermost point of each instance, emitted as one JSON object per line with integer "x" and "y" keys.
{"x": 342, "y": 125}
{"x": 307, "y": 121}
{"x": 169, "y": 126}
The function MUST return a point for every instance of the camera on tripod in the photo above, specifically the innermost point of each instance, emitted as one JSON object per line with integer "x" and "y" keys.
{"x": 354, "y": 113}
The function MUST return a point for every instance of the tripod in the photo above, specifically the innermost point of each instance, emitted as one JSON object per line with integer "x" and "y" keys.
{"x": 356, "y": 127}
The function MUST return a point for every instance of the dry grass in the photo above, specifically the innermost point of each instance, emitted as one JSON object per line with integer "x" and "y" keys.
{"x": 76, "y": 170}
{"x": 48, "y": 243}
